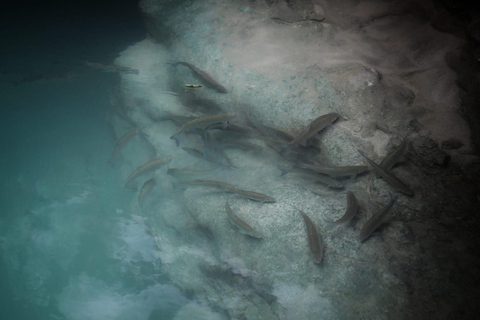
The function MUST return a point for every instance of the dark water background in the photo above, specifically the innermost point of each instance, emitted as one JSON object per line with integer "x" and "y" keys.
{"x": 69, "y": 248}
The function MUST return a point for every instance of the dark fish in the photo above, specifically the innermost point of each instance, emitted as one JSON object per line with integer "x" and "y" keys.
{"x": 206, "y": 156}
{"x": 352, "y": 206}
{"x": 336, "y": 172}
{"x": 240, "y": 144}
{"x": 268, "y": 133}
{"x": 314, "y": 241}
{"x": 389, "y": 177}
{"x": 203, "y": 76}
{"x": 122, "y": 140}
{"x": 209, "y": 183}
{"x": 178, "y": 119}
{"x": 111, "y": 67}
{"x": 393, "y": 157}
{"x": 146, "y": 189}
{"x": 202, "y": 121}
{"x": 182, "y": 174}
{"x": 376, "y": 220}
{"x": 318, "y": 177}
{"x": 205, "y": 120}
{"x": 230, "y": 128}
{"x": 314, "y": 127}
{"x": 46, "y": 77}
{"x": 252, "y": 195}
{"x": 279, "y": 134}
{"x": 149, "y": 166}
{"x": 242, "y": 225}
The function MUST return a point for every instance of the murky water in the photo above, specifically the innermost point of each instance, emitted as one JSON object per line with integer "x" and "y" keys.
{"x": 69, "y": 246}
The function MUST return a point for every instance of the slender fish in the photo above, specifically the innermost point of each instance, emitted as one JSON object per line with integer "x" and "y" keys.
{"x": 242, "y": 225}
{"x": 203, "y": 76}
{"x": 240, "y": 144}
{"x": 376, "y": 220}
{"x": 122, "y": 140}
{"x": 336, "y": 172}
{"x": 205, "y": 120}
{"x": 46, "y": 77}
{"x": 252, "y": 195}
{"x": 206, "y": 156}
{"x": 182, "y": 174}
{"x": 111, "y": 67}
{"x": 202, "y": 122}
{"x": 228, "y": 187}
{"x": 352, "y": 206}
{"x": 318, "y": 177}
{"x": 389, "y": 177}
{"x": 314, "y": 241}
{"x": 177, "y": 118}
{"x": 392, "y": 158}
{"x": 146, "y": 189}
{"x": 314, "y": 127}
{"x": 149, "y": 166}
{"x": 209, "y": 183}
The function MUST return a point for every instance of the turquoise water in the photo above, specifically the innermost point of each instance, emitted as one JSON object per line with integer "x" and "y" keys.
{"x": 69, "y": 247}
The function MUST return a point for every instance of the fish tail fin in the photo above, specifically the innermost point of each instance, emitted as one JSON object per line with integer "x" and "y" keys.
{"x": 283, "y": 169}
{"x": 393, "y": 196}
{"x": 177, "y": 140}
{"x": 143, "y": 132}
{"x": 178, "y": 185}
{"x": 330, "y": 225}
{"x": 225, "y": 124}
{"x": 284, "y": 148}
{"x": 129, "y": 185}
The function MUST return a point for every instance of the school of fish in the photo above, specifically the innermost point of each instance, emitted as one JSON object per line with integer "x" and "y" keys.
{"x": 210, "y": 147}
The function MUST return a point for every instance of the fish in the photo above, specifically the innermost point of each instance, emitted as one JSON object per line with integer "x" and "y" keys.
{"x": 240, "y": 144}
{"x": 376, "y": 220}
{"x": 205, "y": 156}
{"x": 318, "y": 177}
{"x": 202, "y": 76}
{"x": 149, "y": 166}
{"x": 46, "y": 77}
{"x": 252, "y": 195}
{"x": 110, "y": 67}
{"x": 314, "y": 240}
{"x": 314, "y": 127}
{"x": 178, "y": 119}
{"x": 242, "y": 225}
{"x": 277, "y": 133}
{"x": 202, "y": 121}
{"x": 393, "y": 157}
{"x": 352, "y": 206}
{"x": 122, "y": 140}
{"x": 231, "y": 128}
{"x": 182, "y": 174}
{"x": 389, "y": 177}
{"x": 193, "y": 85}
{"x": 210, "y": 183}
{"x": 336, "y": 172}
{"x": 146, "y": 189}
